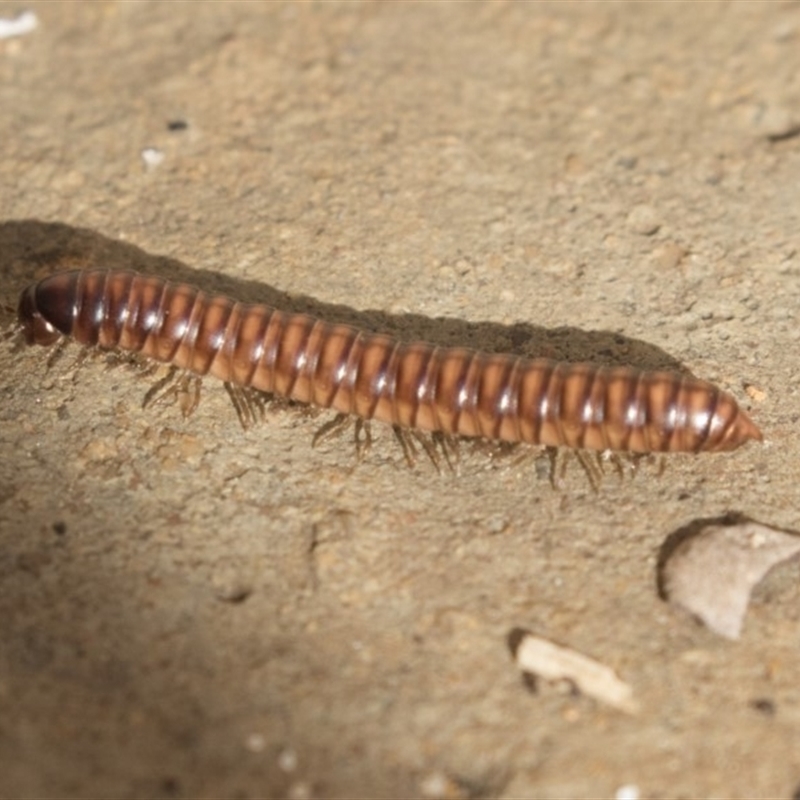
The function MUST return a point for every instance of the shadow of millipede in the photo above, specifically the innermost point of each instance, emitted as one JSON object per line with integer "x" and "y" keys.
{"x": 30, "y": 250}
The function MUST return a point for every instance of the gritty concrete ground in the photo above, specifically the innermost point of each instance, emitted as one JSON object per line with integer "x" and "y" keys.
{"x": 193, "y": 610}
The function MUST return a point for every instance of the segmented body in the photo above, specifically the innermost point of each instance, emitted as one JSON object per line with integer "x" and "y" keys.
{"x": 413, "y": 385}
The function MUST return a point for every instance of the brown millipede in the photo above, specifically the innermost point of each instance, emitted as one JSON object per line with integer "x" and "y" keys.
{"x": 413, "y": 386}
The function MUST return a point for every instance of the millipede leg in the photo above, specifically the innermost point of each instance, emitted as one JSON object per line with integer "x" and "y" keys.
{"x": 509, "y": 450}
{"x": 279, "y": 403}
{"x": 154, "y": 395}
{"x": 428, "y": 446}
{"x": 13, "y": 330}
{"x": 552, "y": 454}
{"x": 600, "y": 459}
{"x": 16, "y": 336}
{"x": 592, "y": 471}
{"x": 616, "y": 462}
{"x": 447, "y": 444}
{"x": 521, "y": 455}
{"x": 257, "y": 401}
{"x": 331, "y": 428}
{"x": 147, "y": 366}
{"x": 562, "y": 473}
{"x": 83, "y": 354}
{"x": 119, "y": 358}
{"x": 364, "y": 445}
{"x": 541, "y": 461}
{"x": 58, "y": 351}
{"x": 453, "y": 443}
{"x": 175, "y": 386}
{"x": 409, "y": 451}
{"x": 188, "y": 393}
{"x": 237, "y": 403}
{"x": 635, "y": 459}
{"x": 301, "y": 409}
{"x": 249, "y": 404}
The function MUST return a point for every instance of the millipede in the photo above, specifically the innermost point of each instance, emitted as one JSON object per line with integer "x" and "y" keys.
{"x": 413, "y": 386}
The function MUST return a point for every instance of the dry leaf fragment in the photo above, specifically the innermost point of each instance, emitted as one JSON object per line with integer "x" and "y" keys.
{"x": 552, "y": 662}
{"x": 712, "y": 572}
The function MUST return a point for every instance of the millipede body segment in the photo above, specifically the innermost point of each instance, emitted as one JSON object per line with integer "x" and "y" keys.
{"x": 414, "y": 385}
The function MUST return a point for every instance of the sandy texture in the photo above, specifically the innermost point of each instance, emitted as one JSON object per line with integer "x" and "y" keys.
{"x": 190, "y": 609}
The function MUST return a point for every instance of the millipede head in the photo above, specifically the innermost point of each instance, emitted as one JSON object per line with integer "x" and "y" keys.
{"x": 35, "y": 328}
{"x": 45, "y": 311}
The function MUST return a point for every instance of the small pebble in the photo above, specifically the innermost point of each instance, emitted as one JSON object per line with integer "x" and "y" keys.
{"x": 643, "y": 220}
{"x": 574, "y": 165}
{"x": 230, "y": 587}
{"x": 19, "y": 26}
{"x": 669, "y": 255}
{"x": 299, "y": 790}
{"x": 756, "y": 394}
{"x": 778, "y": 122}
{"x": 439, "y": 786}
{"x": 152, "y": 157}
{"x": 255, "y": 742}
{"x": 287, "y": 760}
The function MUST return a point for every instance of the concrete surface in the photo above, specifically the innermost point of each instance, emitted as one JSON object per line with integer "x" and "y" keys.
{"x": 193, "y": 610}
